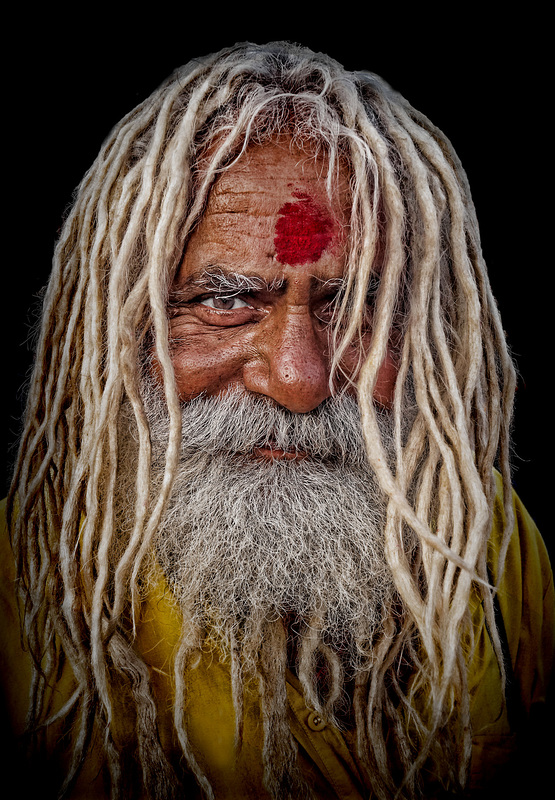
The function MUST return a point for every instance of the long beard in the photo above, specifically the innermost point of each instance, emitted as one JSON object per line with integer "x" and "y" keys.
{"x": 246, "y": 540}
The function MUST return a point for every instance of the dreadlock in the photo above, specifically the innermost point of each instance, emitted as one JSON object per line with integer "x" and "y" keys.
{"x": 113, "y": 268}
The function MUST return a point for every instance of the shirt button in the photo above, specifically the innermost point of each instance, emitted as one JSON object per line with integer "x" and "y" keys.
{"x": 315, "y": 721}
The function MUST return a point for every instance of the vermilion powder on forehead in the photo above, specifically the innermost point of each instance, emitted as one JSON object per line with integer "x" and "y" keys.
{"x": 303, "y": 231}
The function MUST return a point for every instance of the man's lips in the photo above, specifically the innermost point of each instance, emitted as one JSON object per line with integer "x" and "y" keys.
{"x": 277, "y": 453}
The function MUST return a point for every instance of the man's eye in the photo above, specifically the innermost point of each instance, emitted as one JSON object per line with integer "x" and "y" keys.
{"x": 223, "y": 302}
{"x": 329, "y": 309}
{"x": 328, "y": 312}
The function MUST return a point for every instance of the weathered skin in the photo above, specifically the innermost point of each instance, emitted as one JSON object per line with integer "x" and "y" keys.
{"x": 268, "y": 216}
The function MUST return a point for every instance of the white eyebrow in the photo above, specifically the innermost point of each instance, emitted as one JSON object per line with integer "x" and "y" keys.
{"x": 217, "y": 280}
{"x": 333, "y": 283}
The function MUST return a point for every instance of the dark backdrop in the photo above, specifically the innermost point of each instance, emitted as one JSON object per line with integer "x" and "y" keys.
{"x": 67, "y": 84}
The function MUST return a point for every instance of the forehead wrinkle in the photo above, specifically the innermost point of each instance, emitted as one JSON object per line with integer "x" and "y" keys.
{"x": 234, "y": 199}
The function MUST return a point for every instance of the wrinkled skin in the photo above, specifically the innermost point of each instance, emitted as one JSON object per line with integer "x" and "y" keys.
{"x": 268, "y": 216}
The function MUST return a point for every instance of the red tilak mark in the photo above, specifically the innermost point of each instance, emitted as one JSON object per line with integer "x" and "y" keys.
{"x": 303, "y": 231}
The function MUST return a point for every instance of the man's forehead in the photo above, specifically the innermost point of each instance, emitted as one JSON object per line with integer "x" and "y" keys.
{"x": 274, "y": 171}
{"x": 269, "y": 211}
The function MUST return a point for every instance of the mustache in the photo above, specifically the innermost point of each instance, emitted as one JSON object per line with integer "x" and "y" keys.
{"x": 237, "y": 423}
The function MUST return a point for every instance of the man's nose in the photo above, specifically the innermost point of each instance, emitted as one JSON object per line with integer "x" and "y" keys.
{"x": 291, "y": 364}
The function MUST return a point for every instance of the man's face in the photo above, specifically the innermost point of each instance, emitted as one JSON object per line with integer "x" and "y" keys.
{"x": 274, "y": 507}
{"x": 254, "y": 296}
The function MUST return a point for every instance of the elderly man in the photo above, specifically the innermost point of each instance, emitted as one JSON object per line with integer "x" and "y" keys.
{"x": 256, "y": 542}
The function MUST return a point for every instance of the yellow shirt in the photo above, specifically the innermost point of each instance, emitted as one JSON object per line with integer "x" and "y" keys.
{"x": 526, "y": 600}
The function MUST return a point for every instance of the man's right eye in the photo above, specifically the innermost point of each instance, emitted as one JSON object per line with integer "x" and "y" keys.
{"x": 224, "y": 302}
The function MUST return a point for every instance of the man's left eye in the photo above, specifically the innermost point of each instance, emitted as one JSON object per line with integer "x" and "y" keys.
{"x": 223, "y": 302}
{"x": 328, "y": 312}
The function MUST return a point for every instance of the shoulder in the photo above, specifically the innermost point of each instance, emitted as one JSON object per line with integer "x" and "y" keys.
{"x": 7, "y": 569}
{"x": 15, "y": 662}
{"x": 527, "y": 550}
{"x": 526, "y": 599}
{"x": 527, "y": 605}
{"x": 511, "y": 739}
{"x": 8, "y": 595}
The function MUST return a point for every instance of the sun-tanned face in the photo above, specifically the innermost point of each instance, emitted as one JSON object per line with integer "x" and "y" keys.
{"x": 253, "y": 299}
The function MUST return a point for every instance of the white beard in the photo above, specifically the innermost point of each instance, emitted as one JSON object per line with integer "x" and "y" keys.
{"x": 245, "y": 540}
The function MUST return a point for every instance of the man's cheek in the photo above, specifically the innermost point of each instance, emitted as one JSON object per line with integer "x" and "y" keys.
{"x": 204, "y": 367}
{"x": 384, "y": 389}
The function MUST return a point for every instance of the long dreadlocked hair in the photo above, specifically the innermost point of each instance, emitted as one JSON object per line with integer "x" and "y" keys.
{"x": 113, "y": 268}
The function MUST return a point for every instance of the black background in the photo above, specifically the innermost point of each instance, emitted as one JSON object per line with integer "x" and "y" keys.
{"x": 482, "y": 81}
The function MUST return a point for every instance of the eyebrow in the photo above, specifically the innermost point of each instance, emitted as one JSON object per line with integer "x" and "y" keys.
{"x": 337, "y": 284}
{"x": 218, "y": 280}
